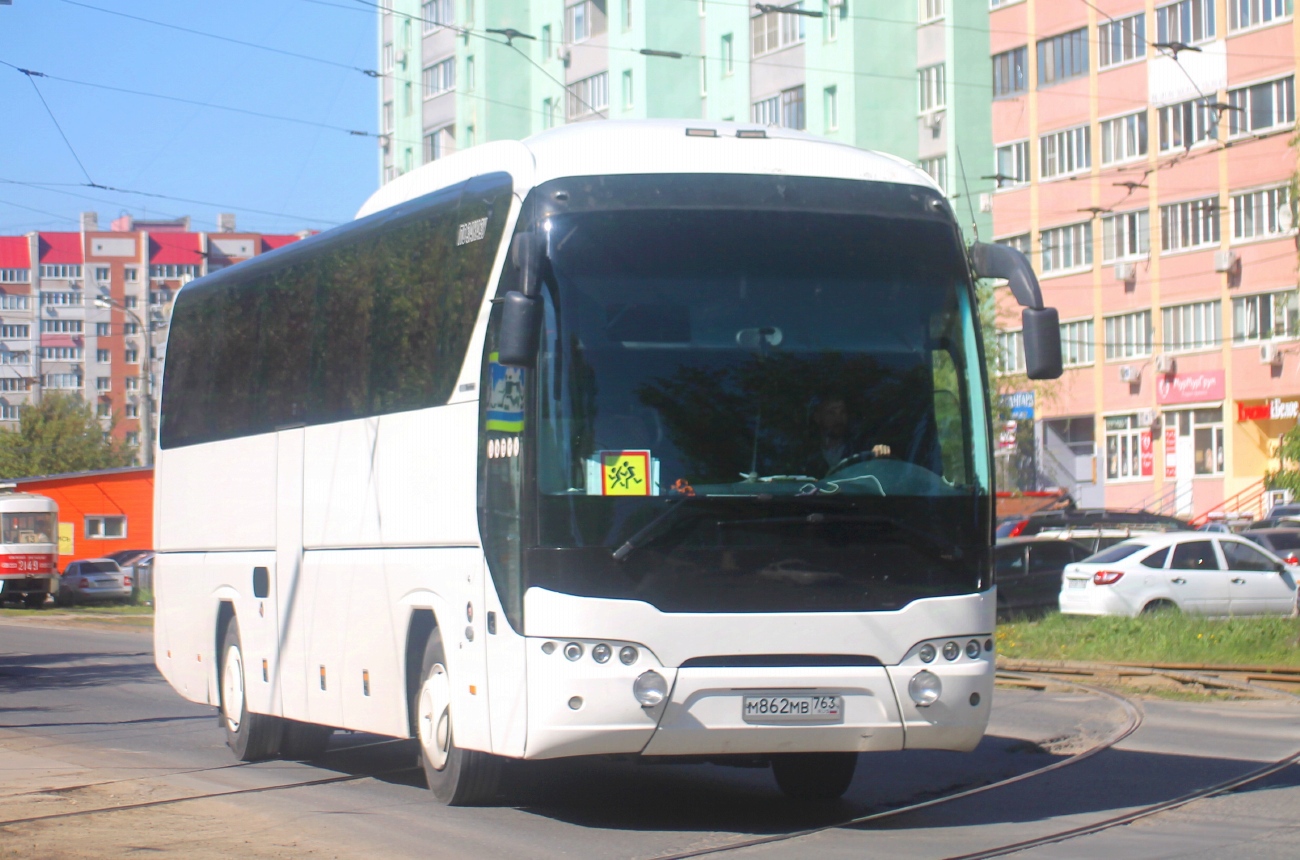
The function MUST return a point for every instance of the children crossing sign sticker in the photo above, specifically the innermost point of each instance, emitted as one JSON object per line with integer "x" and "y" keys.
{"x": 625, "y": 473}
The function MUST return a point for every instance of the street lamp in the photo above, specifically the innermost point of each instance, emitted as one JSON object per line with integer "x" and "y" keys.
{"x": 146, "y": 421}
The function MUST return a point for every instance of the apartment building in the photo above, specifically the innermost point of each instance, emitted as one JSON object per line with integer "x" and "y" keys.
{"x": 87, "y": 312}
{"x": 1144, "y": 162}
{"x": 881, "y": 76}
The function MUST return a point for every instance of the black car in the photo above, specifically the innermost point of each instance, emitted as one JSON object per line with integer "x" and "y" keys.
{"x": 1282, "y": 542}
{"x": 1027, "y": 571}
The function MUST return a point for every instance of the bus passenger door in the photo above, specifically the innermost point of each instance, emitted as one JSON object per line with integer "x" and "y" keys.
{"x": 293, "y": 604}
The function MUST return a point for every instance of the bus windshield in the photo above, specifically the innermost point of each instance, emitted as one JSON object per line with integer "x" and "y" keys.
{"x": 759, "y": 410}
{"x": 27, "y": 528}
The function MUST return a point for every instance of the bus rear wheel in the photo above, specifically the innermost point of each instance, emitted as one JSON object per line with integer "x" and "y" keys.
{"x": 251, "y": 737}
{"x": 34, "y": 601}
{"x": 814, "y": 776}
{"x": 457, "y": 777}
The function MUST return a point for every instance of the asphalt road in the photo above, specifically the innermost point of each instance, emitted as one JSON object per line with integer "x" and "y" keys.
{"x": 87, "y": 723}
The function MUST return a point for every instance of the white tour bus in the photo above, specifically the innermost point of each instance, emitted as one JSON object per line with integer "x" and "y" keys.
{"x": 659, "y": 438}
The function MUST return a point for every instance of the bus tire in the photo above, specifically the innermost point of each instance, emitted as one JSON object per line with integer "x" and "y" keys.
{"x": 457, "y": 777}
{"x": 35, "y": 601}
{"x": 814, "y": 776}
{"x": 251, "y": 737}
{"x": 303, "y": 741}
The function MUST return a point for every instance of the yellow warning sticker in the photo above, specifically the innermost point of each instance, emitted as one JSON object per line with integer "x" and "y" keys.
{"x": 625, "y": 473}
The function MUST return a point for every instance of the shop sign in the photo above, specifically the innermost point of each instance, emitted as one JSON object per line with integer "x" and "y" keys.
{"x": 1190, "y": 387}
{"x": 1007, "y": 438}
{"x": 1148, "y": 454}
{"x": 1021, "y": 404}
{"x": 1171, "y": 452}
{"x": 1272, "y": 410}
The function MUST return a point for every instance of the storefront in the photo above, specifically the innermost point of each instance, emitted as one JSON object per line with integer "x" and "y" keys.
{"x": 1259, "y": 426}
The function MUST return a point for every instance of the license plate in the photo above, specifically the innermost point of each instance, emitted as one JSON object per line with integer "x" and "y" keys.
{"x": 1078, "y": 583}
{"x": 793, "y": 709}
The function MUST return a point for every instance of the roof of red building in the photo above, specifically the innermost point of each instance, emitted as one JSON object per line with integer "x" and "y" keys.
{"x": 63, "y": 476}
{"x": 270, "y": 243}
{"x": 174, "y": 249}
{"x": 13, "y": 253}
{"x": 61, "y": 248}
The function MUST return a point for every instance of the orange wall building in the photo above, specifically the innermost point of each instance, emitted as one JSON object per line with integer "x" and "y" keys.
{"x": 99, "y": 512}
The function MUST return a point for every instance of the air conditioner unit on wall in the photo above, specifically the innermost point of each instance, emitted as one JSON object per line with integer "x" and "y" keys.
{"x": 1269, "y": 354}
{"x": 1225, "y": 261}
{"x": 1128, "y": 373}
{"x": 1146, "y": 417}
{"x": 1164, "y": 363}
{"x": 1125, "y": 272}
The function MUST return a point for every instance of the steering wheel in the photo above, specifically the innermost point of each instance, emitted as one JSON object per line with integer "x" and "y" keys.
{"x": 859, "y": 457}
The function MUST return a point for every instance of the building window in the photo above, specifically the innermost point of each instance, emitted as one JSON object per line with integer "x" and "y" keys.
{"x": 15, "y": 332}
{"x": 1011, "y": 72}
{"x": 470, "y": 136}
{"x": 49, "y": 298}
{"x": 1190, "y": 224}
{"x": 1265, "y": 316}
{"x": 1128, "y": 335}
{"x": 547, "y": 43}
{"x": 61, "y": 326}
{"x": 437, "y": 13}
{"x": 937, "y": 169}
{"x": 792, "y": 108}
{"x": 387, "y": 58}
{"x": 160, "y": 297}
{"x": 15, "y": 276}
{"x": 1189, "y": 21}
{"x": 131, "y": 383}
{"x": 440, "y": 77}
{"x": 21, "y": 356}
{"x": 102, "y": 273}
{"x": 1066, "y": 248}
{"x": 1186, "y": 124}
{"x": 15, "y": 303}
{"x": 62, "y": 353}
{"x": 1012, "y": 164}
{"x": 930, "y": 10}
{"x": 1011, "y": 352}
{"x": 131, "y": 275}
{"x": 104, "y": 356}
{"x": 1020, "y": 242}
{"x": 1258, "y": 214}
{"x": 104, "y": 383}
{"x": 133, "y": 439}
{"x": 1077, "y": 343}
{"x": 1124, "y": 447}
{"x": 61, "y": 381}
{"x": 1063, "y": 57}
{"x": 930, "y": 81}
{"x": 388, "y": 118}
{"x": 469, "y": 72}
{"x": 589, "y": 96}
{"x": 107, "y": 527}
{"x": 131, "y": 302}
{"x": 103, "y": 329}
{"x": 103, "y": 410}
{"x": 132, "y": 410}
{"x": 62, "y": 272}
{"x": 704, "y": 76}
{"x": 728, "y": 55}
{"x": 132, "y": 355}
{"x": 1124, "y": 138}
{"x": 9, "y": 412}
{"x": 1262, "y": 107}
{"x": 1256, "y": 13}
{"x": 1205, "y": 426}
{"x": 627, "y": 14}
{"x": 1193, "y": 326}
{"x": 583, "y": 20}
{"x": 1119, "y": 41}
{"x": 834, "y": 12}
{"x": 772, "y": 31}
{"x": 171, "y": 273}
{"x": 831, "y": 107}
{"x": 1065, "y": 152}
{"x": 11, "y": 384}
{"x": 548, "y": 113}
{"x": 439, "y": 143}
{"x": 627, "y": 89}
{"x": 1125, "y": 236}
{"x": 130, "y": 328}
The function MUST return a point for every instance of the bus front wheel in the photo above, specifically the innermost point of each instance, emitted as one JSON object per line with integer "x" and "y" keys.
{"x": 457, "y": 777}
{"x": 814, "y": 776}
{"x": 251, "y": 737}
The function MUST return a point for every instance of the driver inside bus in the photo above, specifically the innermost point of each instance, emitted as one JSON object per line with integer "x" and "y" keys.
{"x": 838, "y": 442}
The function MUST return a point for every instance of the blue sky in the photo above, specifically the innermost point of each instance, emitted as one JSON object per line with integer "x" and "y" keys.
{"x": 309, "y": 177}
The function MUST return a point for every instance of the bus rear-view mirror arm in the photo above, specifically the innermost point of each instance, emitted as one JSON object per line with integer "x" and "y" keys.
{"x": 1040, "y": 326}
{"x": 521, "y": 312}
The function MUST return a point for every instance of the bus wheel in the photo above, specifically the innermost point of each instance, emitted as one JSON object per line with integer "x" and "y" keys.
{"x": 457, "y": 777}
{"x": 304, "y": 741}
{"x": 34, "y": 601}
{"x": 814, "y": 776}
{"x": 251, "y": 737}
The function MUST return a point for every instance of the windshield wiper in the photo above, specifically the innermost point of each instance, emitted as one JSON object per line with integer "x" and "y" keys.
{"x": 917, "y": 537}
{"x": 651, "y": 529}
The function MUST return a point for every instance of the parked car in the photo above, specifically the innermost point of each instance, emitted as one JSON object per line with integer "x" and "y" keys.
{"x": 138, "y": 563}
{"x": 1282, "y": 542}
{"x": 1097, "y": 539}
{"x": 1089, "y": 518}
{"x": 1279, "y": 516}
{"x": 1195, "y": 572}
{"x": 93, "y": 579}
{"x": 1028, "y": 571}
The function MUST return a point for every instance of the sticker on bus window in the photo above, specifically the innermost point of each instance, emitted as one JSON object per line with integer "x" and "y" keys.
{"x": 505, "y": 406}
{"x": 625, "y": 473}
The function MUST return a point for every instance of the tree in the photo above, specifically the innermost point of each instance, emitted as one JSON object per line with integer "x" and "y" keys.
{"x": 60, "y": 434}
{"x": 1287, "y": 476}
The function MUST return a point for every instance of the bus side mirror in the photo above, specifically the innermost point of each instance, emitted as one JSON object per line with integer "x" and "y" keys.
{"x": 521, "y": 328}
{"x": 1041, "y": 326}
{"x": 528, "y": 253}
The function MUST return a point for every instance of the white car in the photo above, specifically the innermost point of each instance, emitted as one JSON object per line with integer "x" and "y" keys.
{"x": 1196, "y": 572}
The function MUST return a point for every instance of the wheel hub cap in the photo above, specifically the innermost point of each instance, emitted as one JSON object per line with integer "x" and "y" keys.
{"x": 232, "y": 687}
{"x": 435, "y": 717}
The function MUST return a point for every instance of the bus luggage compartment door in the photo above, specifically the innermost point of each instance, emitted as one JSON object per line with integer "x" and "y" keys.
{"x": 706, "y": 713}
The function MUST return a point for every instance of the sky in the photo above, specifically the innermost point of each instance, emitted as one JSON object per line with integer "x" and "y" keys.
{"x": 276, "y": 176}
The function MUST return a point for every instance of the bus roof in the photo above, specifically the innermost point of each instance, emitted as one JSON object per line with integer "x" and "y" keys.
{"x": 649, "y": 146}
{"x": 26, "y": 502}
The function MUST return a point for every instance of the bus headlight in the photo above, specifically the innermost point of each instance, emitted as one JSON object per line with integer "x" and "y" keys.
{"x": 925, "y": 688}
{"x": 926, "y": 653}
{"x": 650, "y": 688}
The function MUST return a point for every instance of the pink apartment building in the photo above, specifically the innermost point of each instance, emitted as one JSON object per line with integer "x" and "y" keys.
{"x": 1145, "y": 163}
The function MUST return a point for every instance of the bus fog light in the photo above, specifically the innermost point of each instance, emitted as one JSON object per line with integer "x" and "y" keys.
{"x": 925, "y": 688}
{"x": 650, "y": 688}
{"x": 951, "y": 650}
{"x": 573, "y": 651}
{"x": 927, "y": 653}
{"x": 972, "y": 649}
{"x": 627, "y": 654}
{"x": 601, "y": 653}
